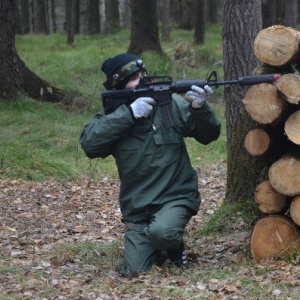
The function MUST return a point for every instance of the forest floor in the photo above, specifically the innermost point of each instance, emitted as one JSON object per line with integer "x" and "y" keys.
{"x": 49, "y": 232}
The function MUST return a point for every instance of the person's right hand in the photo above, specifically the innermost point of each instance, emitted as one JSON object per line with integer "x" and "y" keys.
{"x": 142, "y": 107}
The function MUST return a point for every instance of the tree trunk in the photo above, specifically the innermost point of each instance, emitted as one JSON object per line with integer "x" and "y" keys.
{"x": 53, "y": 16}
{"x": 165, "y": 19}
{"x": 40, "y": 17}
{"x": 14, "y": 75}
{"x": 25, "y": 18}
{"x": 77, "y": 17}
{"x": 213, "y": 11}
{"x": 279, "y": 11}
{"x": 187, "y": 9}
{"x": 112, "y": 16}
{"x": 93, "y": 17}
{"x": 290, "y": 13}
{"x": 241, "y": 23}
{"x": 144, "y": 27}
{"x": 70, "y": 20}
{"x": 268, "y": 13}
{"x": 124, "y": 13}
{"x": 200, "y": 21}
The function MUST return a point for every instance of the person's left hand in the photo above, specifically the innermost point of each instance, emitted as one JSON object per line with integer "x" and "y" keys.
{"x": 199, "y": 95}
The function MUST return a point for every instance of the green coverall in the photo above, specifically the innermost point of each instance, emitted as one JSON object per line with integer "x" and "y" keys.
{"x": 159, "y": 187}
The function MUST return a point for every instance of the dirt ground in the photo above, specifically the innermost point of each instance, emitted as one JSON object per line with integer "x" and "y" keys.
{"x": 35, "y": 216}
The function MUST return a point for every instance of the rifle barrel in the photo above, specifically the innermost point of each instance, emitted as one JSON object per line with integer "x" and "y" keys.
{"x": 252, "y": 80}
{"x": 183, "y": 85}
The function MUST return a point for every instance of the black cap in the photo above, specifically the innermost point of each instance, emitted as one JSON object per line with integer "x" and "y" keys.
{"x": 120, "y": 69}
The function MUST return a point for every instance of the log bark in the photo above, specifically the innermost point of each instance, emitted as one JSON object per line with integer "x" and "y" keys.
{"x": 257, "y": 142}
{"x": 284, "y": 176}
{"x": 268, "y": 200}
{"x": 295, "y": 210}
{"x": 289, "y": 86}
{"x": 274, "y": 236}
{"x": 277, "y": 45}
{"x": 292, "y": 127}
{"x": 264, "y": 104}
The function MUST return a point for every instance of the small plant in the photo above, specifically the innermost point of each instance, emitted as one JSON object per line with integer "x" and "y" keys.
{"x": 228, "y": 213}
{"x": 11, "y": 270}
{"x": 106, "y": 254}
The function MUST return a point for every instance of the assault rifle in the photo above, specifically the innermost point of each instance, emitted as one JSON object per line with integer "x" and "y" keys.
{"x": 160, "y": 88}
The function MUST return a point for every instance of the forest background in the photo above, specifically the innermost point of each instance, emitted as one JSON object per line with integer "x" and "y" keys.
{"x": 90, "y": 18}
{"x": 39, "y": 143}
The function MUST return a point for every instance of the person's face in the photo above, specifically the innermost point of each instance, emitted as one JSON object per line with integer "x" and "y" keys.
{"x": 134, "y": 81}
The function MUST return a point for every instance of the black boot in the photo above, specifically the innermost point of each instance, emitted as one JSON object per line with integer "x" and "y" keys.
{"x": 161, "y": 258}
{"x": 178, "y": 257}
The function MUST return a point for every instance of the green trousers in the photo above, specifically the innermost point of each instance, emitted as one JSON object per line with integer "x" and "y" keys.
{"x": 143, "y": 240}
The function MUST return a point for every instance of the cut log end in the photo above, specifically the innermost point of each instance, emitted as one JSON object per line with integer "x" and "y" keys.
{"x": 292, "y": 127}
{"x": 268, "y": 200}
{"x": 274, "y": 236}
{"x": 284, "y": 176}
{"x": 295, "y": 210}
{"x": 276, "y": 45}
{"x": 278, "y": 234}
{"x": 289, "y": 86}
{"x": 264, "y": 104}
{"x": 257, "y": 142}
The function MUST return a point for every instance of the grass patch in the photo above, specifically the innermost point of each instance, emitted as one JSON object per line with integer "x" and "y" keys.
{"x": 38, "y": 140}
{"x": 108, "y": 255}
{"x": 48, "y": 293}
{"x": 11, "y": 297}
{"x": 11, "y": 270}
{"x": 205, "y": 155}
{"x": 229, "y": 213}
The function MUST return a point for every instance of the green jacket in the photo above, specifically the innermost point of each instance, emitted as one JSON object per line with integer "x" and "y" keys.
{"x": 152, "y": 161}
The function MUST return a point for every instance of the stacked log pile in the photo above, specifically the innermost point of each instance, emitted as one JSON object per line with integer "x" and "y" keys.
{"x": 275, "y": 108}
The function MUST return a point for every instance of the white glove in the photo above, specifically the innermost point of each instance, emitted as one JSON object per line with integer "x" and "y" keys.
{"x": 199, "y": 95}
{"x": 142, "y": 107}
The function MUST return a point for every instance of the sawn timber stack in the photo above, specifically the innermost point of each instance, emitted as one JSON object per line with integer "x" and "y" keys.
{"x": 275, "y": 109}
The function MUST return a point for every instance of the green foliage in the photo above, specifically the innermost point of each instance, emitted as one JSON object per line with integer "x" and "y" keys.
{"x": 40, "y": 140}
